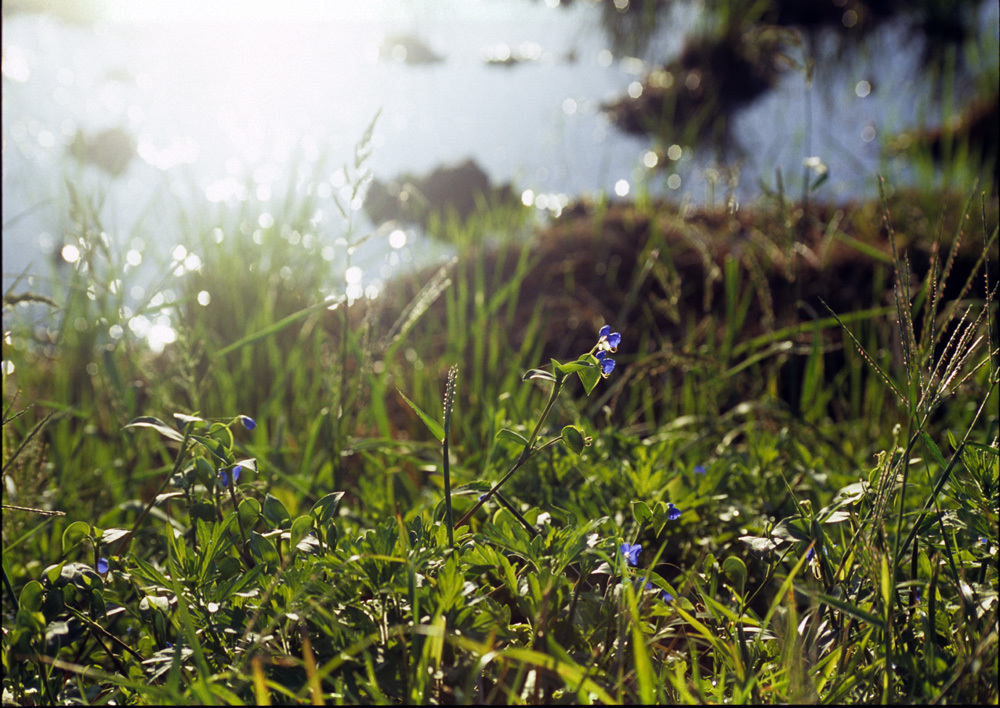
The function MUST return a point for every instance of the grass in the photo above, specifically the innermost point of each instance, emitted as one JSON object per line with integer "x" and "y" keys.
{"x": 836, "y": 470}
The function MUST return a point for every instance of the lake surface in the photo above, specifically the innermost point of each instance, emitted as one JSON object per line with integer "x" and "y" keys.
{"x": 225, "y": 99}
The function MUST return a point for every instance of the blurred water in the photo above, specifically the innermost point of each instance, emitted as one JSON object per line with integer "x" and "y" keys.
{"x": 213, "y": 101}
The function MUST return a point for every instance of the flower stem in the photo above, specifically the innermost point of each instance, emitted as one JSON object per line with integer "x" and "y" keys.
{"x": 525, "y": 454}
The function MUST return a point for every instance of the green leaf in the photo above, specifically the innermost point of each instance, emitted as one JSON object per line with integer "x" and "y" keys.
{"x": 935, "y": 451}
{"x": 437, "y": 430}
{"x": 537, "y": 374}
{"x": 792, "y": 529}
{"x": 590, "y": 375}
{"x": 276, "y": 327}
{"x": 736, "y": 570}
{"x": 574, "y": 366}
{"x": 300, "y": 527}
{"x": 641, "y": 512}
{"x": 74, "y": 534}
{"x": 112, "y": 535}
{"x": 31, "y": 596}
{"x": 326, "y": 508}
{"x": 249, "y": 511}
{"x": 188, "y": 418}
{"x": 263, "y": 549}
{"x": 574, "y": 439}
{"x": 274, "y": 511}
{"x": 508, "y": 434}
{"x": 157, "y": 425}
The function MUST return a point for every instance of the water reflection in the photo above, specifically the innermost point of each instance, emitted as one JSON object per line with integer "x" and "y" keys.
{"x": 187, "y": 105}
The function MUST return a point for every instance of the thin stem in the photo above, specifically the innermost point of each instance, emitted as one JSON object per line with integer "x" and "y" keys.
{"x": 525, "y": 454}
{"x": 181, "y": 453}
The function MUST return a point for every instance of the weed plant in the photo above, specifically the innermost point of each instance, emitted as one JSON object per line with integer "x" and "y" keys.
{"x": 432, "y": 503}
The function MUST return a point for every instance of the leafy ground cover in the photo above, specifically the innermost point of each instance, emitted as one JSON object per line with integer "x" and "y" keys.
{"x": 650, "y": 454}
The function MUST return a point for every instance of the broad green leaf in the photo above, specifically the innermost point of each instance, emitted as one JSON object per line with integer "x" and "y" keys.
{"x": 31, "y": 596}
{"x": 575, "y": 366}
{"x": 262, "y": 548}
{"x": 641, "y": 512}
{"x": 74, "y": 534}
{"x": 157, "y": 425}
{"x": 326, "y": 508}
{"x": 792, "y": 529}
{"x": 274, "y": 511}
{"x": 249, "y": 511}
{"x": 574, "y": 439}
{"x": 188, "y": 418}
{"x": 300, "y": 527}
{"x": 590, "y": 376}
{"x": 437, "y": 430}
{"x": 112, "y": 535}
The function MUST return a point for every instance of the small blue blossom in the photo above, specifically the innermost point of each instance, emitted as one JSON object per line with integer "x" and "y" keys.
{"x": 631, "y": 552}
{"x": 666, "y": 596}
{"x": 248, "y": 422}
{"x": 608, "y": 340}
{"x": 917, "y": 594}
{"x": 811, "y": 554}
{"x": 102, "y": 565}
{"x": 673, "y": 513}
{"x": 607, "y": 363}
{"x": 236, "y": 475}
{"x": 699, "y": 470}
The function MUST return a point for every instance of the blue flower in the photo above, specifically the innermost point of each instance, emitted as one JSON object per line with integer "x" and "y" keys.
{"x": 631, "y": 552}
{"x": 812, "y": 551}
{"x": 699, "y": 470}
{"x": 248, "y": 422}
{"x": 607, "y": 363}
{"x": 666, "y": 596}
{"x": 102, "y": 565}
{"x": 608, "y": 340}
{"x": 225, "y": 478}
{"x": 673, "y": 513}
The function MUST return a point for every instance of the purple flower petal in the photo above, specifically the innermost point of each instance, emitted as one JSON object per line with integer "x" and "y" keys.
{"x": 102, "y": 565}
{"x": 607, "y": 366}
{"x": 605, "y": 331}
{"x": 248, "y": 422}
